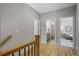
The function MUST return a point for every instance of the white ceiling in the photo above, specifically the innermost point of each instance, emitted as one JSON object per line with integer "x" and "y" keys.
{"x": 47, "y": 7}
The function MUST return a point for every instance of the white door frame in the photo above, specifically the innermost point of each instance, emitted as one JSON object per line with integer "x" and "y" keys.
{"x": 74, "y": 30}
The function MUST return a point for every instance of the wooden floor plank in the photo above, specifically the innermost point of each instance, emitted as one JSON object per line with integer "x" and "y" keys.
{"x": 56, "y": 50}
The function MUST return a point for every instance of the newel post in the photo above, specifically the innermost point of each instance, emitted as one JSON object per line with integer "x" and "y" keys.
{"x": 37, "y": 38}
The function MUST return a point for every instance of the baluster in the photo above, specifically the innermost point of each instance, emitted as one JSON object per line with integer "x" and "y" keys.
{"x": 19, "y": 53}
{"x": 12, "y": 54}
{"x": 24, "y": 51}
{"x": 32, "y": 50}
{"x": 28, "y": 50}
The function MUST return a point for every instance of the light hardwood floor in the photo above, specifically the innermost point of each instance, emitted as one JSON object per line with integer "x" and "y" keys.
{"x": 56, "y": 50}
{"x": 47, "y": 49}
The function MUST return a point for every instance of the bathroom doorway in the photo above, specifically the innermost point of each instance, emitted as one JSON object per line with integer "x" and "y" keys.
{"x": 51, "y": 31}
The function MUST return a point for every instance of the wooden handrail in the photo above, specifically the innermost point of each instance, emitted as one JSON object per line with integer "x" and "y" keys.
{"x": 5, "y": 40}
{"x": 16, "y": 48}
{"x": 24, "y": 45}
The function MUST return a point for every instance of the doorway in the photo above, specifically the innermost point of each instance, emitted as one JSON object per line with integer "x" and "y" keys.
{"x": 51, "y": 31}
{"x": 66, "y": 30}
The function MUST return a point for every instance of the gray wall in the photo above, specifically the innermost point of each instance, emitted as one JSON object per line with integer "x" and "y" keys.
{"x": 0, "y": 30}
{"x": 17, "y": 20}
{"x": 77, "y": 29}
{"x": 66, "y": 12}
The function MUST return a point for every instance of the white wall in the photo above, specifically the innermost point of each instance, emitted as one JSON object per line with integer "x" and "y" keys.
{"x": 17, "y": 20}
{"x": 77, "y": 29}
{"x": 66, "y": 12}
{"x": 0, "y": 30}
{"x": 36, "y": 26}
